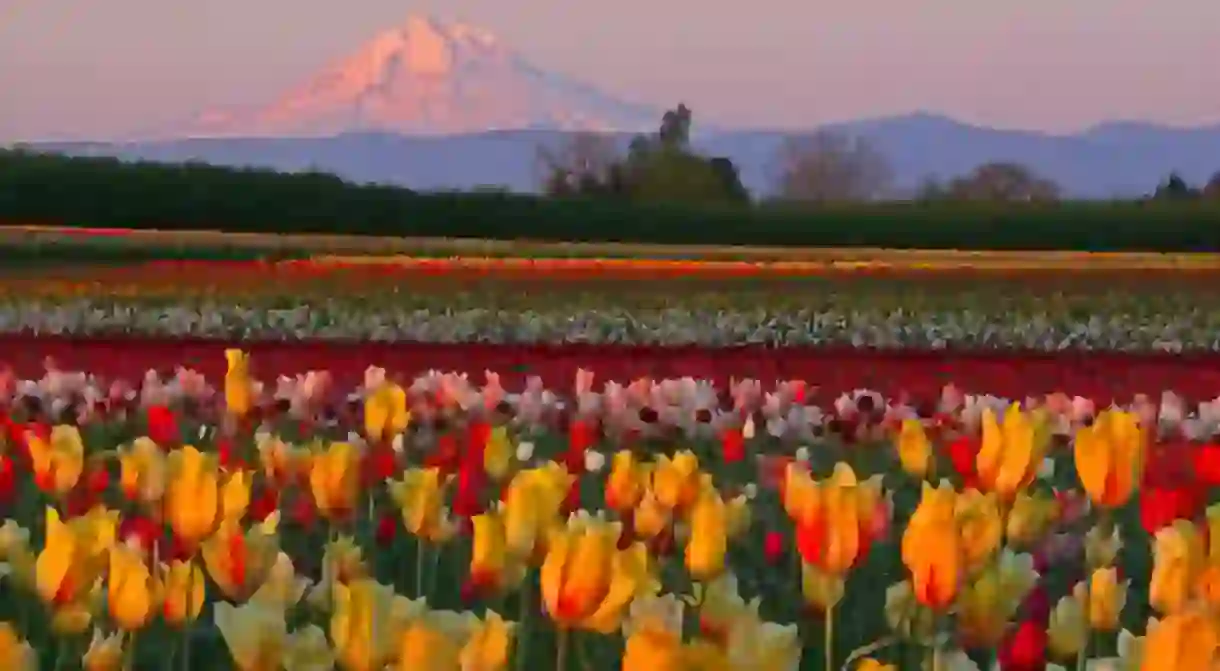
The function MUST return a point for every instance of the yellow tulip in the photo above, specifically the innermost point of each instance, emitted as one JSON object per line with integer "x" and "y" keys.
{"x": 987, "y": 605}
{"x": 980, "y": 525}
{"x": 182, "y": 592}
{"x": 344, "y": 558}
{"x": 385, "y": 412}
{"x": 73, "y": 555}
{"x": 334, "y": 479}
{"x": 706, "y": 656}
{"x": 676, "y": 481}
{"x": 130, "y": 589}
{"x": 914, "y": 448}
{"x": 626, "y": 482}
{"x": 235, "y": 494}
{"x": 1213, "y": 533}
{"x": 105, "y": 653}
{"x": 720, "y": 606}
{"x": 1101, "y": 546}
{"x": 587, "y": 582}
{"x": 1177, "y": 562}
{"x": 360, "y": 625}
{"x": 1107, "y": 597}
{"x": 932, "y": 548}
{"x": 142, "y": 471}
{"x": 239, "y": 390}
{"x": 1068, "y": 630}
{"x": 650, "y": 518}
{"x": 1109, "y": 457}
{"x": 59, "y": 462}
{"x": 307, "y": 649}
{"x": 832, "y": 514}
{"x": 282, "y": 588}
{"x": 1030, "y": 518}
{"x": 420, "y": 498}
{"x": 491, "y": 567}
{"x": 649, "y": 650}
{"x": 821, "y": 589}
{"x": 1011, "y": 452}
{"x": 708, "y": 541}
{"x": 531, "y": 507}
{"x": 192, "y": 495}
{"x": 498, "y": 454}
{"x": 1185, "y": 641}
{"x": 654, "y": 636}
{"x": 280, "y": 461}
{"x": 255, "y": 635}
{"x": 487, "y": 644}
{"x": 448, "y": 640}
{"x": 14, "y": 540}
{"x": 16, "y": 654}
{"x": 427, "y": 647}
{"x": 870, "y": 664}
{"x": 238, "y": 561}
{"x": 764, "y": 646}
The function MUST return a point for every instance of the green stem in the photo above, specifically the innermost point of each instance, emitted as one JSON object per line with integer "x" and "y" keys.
{"x": 420, "y": 550}
{"x": 186, "y": 646}
{"x": 61, "y": 653}
{"x": 522, "y": 639}
{"x": 561, "y": 649}
{"x": 830, "y": 638}
{"x": 129, "y": 656}
{"x": 1082, "y": 657}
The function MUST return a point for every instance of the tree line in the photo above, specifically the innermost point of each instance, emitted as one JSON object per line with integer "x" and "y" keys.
{"x": 825, "y": 167}
{"x": 627, "y": 199}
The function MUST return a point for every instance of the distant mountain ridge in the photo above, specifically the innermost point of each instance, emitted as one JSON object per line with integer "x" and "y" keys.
{"x": 435, "y": 105}
{"x": 1110, "y": 160}
{"x": 428, "y": 77}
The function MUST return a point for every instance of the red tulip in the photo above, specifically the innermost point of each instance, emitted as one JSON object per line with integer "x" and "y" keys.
{"x": 264, "y": 504}
{"x": 387, "y": 529}
{"x": 140, "y": 530}
{"x": 380, "y": 464}
{"x": 580, "y": 435}
{"x": 963, "y": 453}
{"x": 163, "y": 426}
{"x": 733, "y": 446}
{"x": 8, "y": 478}
{"x": 1160, "y": 505}
{"x": 773, "y": 547}
{"x": 1024, "y": 649}
{"x": 1206, "y": 460}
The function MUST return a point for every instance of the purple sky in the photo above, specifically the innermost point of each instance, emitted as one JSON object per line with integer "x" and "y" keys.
{"x": 80, "y": 68}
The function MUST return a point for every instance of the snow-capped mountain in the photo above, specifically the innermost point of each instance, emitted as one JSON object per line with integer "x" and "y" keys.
{"x": 427, "y": 77}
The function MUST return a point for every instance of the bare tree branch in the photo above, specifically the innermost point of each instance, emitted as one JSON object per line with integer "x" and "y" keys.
{"x": 831, "y": 167}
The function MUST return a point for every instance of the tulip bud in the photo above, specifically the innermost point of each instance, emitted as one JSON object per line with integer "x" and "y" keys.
{"x": 821, "y": 590}
{"x": 1101, "y": 548}
{"x": 1068, "y": 631}
{"x": 1107, "y": 597}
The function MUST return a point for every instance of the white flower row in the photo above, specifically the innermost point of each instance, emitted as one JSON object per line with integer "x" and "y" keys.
{"x": 967, "y": 328}
{"x": 783, "y": 410}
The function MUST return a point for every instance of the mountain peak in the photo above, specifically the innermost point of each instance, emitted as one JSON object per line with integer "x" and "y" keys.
{"x": 427, "y": 76}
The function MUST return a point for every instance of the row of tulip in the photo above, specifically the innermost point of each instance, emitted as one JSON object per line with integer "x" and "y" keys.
{"x": 861, "y": 326}
{"x": 439, "y": 524}
{"x": 315, "y": 301}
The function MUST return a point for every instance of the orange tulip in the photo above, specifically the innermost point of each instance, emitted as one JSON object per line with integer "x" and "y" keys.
{"x": 932, "y": 548}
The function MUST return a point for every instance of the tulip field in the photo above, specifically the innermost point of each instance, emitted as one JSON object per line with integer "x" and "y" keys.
{"x": 438, "y": 523}
{"x": 880, "y": 461}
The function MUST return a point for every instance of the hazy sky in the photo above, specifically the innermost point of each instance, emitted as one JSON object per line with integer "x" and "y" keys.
{"x": 96, "y": 68}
